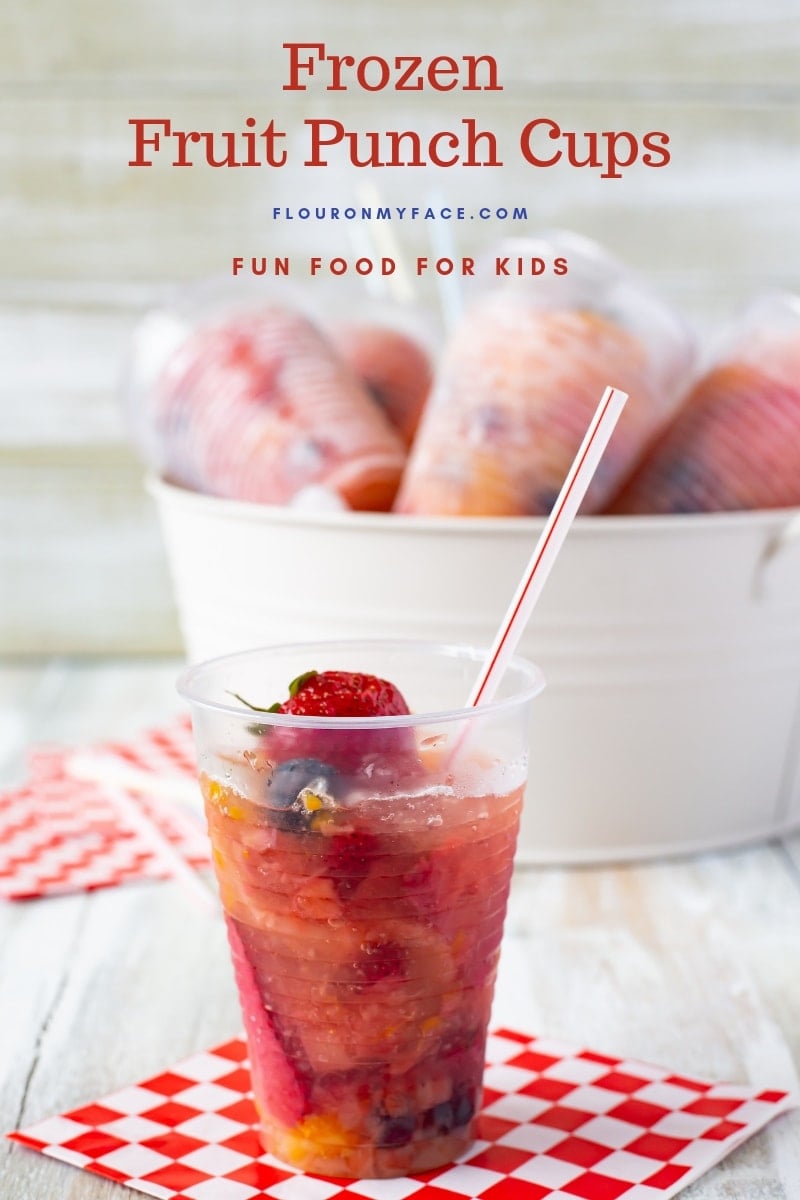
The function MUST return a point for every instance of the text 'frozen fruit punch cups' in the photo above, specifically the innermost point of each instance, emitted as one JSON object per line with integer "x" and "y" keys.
{"x": 364, "y": 856}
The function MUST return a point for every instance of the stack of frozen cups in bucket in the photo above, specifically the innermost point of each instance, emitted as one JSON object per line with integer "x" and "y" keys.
{"x": 275, "y": 398}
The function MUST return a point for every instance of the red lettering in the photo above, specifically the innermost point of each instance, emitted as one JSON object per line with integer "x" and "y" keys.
{"x": 473, "y": 63}
{"x": 297, "y": 64}
{"x": 572, "y": 150}
{"x": 183, "y": 139}
{"x": 142, "y": 142}
{"x": 373, "y": 73}
{"x": 337, "y": 63}
{"x": 526, "y": 142}
{"x": 384, "y": 73}
{"x": 443, "y": 65}
{"x": 650, "y": 141}
{"x": 451, "y": 140}
{"x": 402, "y": 84}
{"x": 318, "y": 140}
{"x": 613, "y": 161}
{"x": 475, "y": 136}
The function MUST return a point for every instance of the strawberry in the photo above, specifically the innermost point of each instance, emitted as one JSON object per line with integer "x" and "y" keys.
{"x": 286, "y": 1097}
{"x": 344, "y": 694}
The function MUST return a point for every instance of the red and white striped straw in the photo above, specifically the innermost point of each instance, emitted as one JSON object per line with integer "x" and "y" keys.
{"x": 549, "y": 544}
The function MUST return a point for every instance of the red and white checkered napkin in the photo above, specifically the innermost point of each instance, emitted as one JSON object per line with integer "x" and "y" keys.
{"x": 556, "y": 1122}
{"x": 61, "y": 834}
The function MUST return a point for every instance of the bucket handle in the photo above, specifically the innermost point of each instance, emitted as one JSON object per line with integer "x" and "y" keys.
{"x": 789, "y": 793}
{"x": 786, "y": 537}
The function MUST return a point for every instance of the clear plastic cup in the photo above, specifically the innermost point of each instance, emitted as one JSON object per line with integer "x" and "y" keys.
{"x": 364, "y": 867}
{"x": 276, "y": 393}
{"x": 521, "y": 376}
{"x": 735, "y": 441}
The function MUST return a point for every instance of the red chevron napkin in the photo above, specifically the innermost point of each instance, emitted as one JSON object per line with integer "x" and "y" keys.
{"x": 62, "y": 833}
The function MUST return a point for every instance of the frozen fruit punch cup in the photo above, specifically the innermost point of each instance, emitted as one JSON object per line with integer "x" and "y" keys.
{"x": 364, "y": 863}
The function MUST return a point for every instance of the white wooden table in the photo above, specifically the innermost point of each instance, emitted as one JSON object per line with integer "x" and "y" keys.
{"x": 694, "y": 964}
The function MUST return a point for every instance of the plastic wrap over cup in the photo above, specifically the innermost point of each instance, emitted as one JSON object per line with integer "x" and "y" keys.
{"x": 735, "y": 443}
{"x": 523, "y": 373}
{"x": 256, "y": 397}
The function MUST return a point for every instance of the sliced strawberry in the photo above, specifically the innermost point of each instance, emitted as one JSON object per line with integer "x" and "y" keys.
{"x": 281, "y": 1089}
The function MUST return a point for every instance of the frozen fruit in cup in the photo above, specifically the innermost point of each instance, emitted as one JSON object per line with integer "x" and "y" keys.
{"x": 519, "y": 380}
{"x": 394, "y": 367}
{"x": 364, "y": 869}
{"x": 258, "y": 406}
{"x": 735, "y": 441}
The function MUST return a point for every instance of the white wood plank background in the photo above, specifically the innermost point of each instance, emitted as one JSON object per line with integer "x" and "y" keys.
{"x": 87, "y": 242}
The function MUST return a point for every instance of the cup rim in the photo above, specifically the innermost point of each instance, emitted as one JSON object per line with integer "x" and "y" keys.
{"x": 187, "y": 684}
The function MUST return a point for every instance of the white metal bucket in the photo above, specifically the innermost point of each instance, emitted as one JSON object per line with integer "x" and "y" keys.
{"x": 671, "y": 647}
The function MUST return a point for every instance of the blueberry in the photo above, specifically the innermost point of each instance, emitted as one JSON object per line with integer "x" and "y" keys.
{"x": 297, "y": 789}
{"x": 463, "y": 1108}
{"x": 451, "y": 1114}
{"x": 396, "y": 1131}
{"x": 290, "y": 777}
{"x": 441, "y": 1117}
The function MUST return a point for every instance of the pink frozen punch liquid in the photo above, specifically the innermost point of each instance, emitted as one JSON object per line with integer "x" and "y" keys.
{"x": 365, "y": 928}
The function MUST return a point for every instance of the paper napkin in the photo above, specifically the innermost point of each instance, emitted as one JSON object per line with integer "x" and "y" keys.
{"x": 60, "y": 833}
{"x": 557, "y": 1123}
